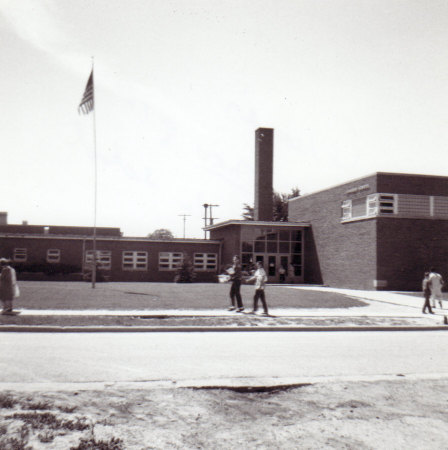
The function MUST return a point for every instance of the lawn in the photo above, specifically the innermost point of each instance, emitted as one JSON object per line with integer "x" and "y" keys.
{"x": 164, "y": 296}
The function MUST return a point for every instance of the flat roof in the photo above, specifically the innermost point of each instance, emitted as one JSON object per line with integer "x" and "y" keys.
{"x": 397, "y": 174}
{"x": 257, "y": 223}
{"x": 108, "y": 238}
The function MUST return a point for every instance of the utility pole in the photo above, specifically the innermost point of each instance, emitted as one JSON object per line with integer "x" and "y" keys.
{"x": 211, "y": 214}
{"x": 205, "y": 205}
{"x": 185, "y": 219}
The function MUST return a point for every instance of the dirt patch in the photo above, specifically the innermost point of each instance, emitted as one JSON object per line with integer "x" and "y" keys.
{"x": 394, "y": 414}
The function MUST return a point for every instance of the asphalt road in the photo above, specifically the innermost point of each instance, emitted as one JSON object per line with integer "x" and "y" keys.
{"x": 130, "y": 357}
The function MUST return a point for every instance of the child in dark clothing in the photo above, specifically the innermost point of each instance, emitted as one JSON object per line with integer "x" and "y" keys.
{"x": 426, "y": 286}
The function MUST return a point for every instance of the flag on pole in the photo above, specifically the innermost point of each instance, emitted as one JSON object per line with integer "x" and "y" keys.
{"x": 87, "y": 102}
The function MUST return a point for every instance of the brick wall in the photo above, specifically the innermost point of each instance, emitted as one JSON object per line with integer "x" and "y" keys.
{"x": 231, "y": 242}
{"x": 393, "y": 251}
{"x": 336, "y": 254}
{"x": 408, "y": 247}
{"x": 72, "y": 251}
{"x": 397, "y": 183}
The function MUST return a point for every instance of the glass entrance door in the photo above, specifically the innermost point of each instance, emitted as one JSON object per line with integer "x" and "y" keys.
{"x": 271, "y": 269}
{"x": 276, "y": 266}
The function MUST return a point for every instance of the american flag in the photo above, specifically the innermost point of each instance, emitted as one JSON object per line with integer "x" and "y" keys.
{"x": 87, "y": 101}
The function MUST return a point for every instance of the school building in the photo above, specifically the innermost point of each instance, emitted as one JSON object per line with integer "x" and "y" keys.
{"x": 378, "y": 232}
{"x": 381, "y": 231}
{"x": 56, "y": 252}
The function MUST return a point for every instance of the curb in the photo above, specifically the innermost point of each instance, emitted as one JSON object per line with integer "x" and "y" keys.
{"x": 190, "y": 329}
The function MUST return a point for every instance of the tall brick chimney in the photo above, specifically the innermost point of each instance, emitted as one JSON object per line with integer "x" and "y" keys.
{"x": 264, "y": 143}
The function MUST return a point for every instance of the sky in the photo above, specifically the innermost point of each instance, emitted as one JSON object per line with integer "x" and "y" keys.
{"x": 350, "y": 87}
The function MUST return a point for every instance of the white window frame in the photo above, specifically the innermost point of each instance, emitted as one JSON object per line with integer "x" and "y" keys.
{"x": 372, "y": 205}
{"x": 134, "y": 260}
{"x": 346, "y": 209}
{"x": 170, "y": 260}
{"x": 20, "y": 255}
{"x": 103, "y": 258}
{"x": 53, "y": 256}
{"x": 205, "y": 261}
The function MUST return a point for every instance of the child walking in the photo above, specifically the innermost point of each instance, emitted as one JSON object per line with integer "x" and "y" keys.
{"x": 260, "y": 278}
{"x": 426, "y": 286}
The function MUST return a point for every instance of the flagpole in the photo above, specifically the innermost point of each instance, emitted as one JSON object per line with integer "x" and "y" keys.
{"x": 95, "y": 182}
{"x": 85, "y": 107}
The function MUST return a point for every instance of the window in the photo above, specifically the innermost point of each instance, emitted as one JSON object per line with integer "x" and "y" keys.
{"x": 440, "y": 207}
{"x": 135, "y": 260}
{"x": 20, "y": 254}
{"x": 260, "y": 245}
{"x": 205, "y": 261}
{"x": 359, "y": 208}
{"x": 170, "y": 261}
{"x": 387, "y": 203}
{"x": 372, "y": 205}
{"x": 415, "y": 205}
{"x": 346, "y": 209}
{"x": 103, "y": 259}
{"x": 53, "y": 256}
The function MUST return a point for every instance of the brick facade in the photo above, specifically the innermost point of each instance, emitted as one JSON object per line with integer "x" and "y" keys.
{"x": 72, "y": 248}
{"x": 374, "y": 252}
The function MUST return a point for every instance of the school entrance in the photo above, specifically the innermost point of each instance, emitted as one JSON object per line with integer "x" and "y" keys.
{"x": 278, "y": 245}
{"x": 280, "y": 268}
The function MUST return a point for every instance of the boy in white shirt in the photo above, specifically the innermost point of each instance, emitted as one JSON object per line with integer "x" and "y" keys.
{"x": 435, "y": 283}
{"x": 260, "y": 278}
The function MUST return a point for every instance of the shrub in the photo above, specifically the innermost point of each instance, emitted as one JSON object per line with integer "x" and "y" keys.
{"x": 185, "y": 272}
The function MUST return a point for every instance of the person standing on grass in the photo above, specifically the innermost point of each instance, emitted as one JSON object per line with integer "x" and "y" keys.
{"x": 426, "y": 286}
{"x": 8, "y": 286}
{"x": 235, "y": 278}
{"x": 260, "y": 278}
{"x": 436, "y": 283}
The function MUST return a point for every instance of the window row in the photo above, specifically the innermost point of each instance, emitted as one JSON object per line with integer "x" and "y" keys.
{"x": 21, "y": 255}
{"x": 283, "y": 241}
{"x": 400, "y": 205}
{"x": 271, "y": 247}
{"x": 131, "y": 260}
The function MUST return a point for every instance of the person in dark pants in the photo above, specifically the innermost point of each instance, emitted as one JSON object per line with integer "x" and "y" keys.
{"x": 426, "y": 286}
{"x": 260, "y": 278}
{"x": 235, "y": 278}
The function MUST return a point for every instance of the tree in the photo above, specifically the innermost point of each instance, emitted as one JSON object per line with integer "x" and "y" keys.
{"x": 161, "y": 234}
{"x": 279, "y": 206}
{"x": 248, "y": 212}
